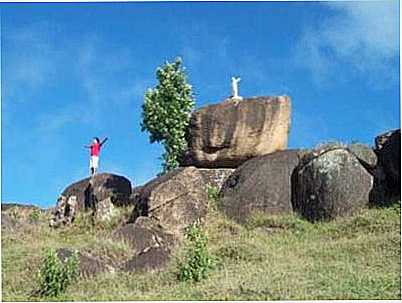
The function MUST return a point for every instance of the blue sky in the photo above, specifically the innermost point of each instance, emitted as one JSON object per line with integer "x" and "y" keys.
{"x": 76, "y": 70}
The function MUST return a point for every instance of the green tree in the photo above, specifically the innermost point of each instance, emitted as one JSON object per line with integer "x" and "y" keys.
{"x": 167, "y": 110}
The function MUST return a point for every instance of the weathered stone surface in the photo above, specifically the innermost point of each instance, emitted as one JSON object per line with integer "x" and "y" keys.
{"x": 174, "y": 200}
{"x": 330, "y": 183}
{"x": 154, "y": 259}
{"x": 103, "y": 186}
{"x": 144, "y": 234}
{"x": 262, "y": 184}
{"x": 89, "y": 265}
{"x": 227, "y": 134}
{"x": 65, "y": 211}
{"x": 380, "y": 194}
{"x": 216, "y": 176}
{"x": 135, "y": 194}
{"x": 388, "y": 150}
{"x": 105, "y": 210}
{"x": 364, "y": 154}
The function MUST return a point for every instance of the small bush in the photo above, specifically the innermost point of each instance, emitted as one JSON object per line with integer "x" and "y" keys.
{"x": 213, "y": 193}
{"x": 55, "y": 276}
{"x": 197, "y": 261}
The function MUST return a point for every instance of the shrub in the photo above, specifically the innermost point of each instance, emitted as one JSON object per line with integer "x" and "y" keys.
{"x": 197, "y": 261}
{"x": 166, "y": 112}
{"x": 55, "y": 275}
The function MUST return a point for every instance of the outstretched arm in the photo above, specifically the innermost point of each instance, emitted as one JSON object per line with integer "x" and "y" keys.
{"x": 104, "y": 140}
{"x": 87, "y": 146}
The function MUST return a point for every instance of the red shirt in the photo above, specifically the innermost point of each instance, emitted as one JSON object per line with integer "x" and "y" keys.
{"x": 95, "y": 149}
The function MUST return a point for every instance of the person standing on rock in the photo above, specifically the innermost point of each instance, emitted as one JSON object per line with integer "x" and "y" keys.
{"x": 95, "y": 150}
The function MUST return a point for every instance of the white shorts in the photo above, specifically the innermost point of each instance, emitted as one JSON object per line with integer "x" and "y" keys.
{"x": 94, "y": 162}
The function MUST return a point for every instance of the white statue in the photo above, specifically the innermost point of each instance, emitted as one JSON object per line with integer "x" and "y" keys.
{"x": 235, "y": 89}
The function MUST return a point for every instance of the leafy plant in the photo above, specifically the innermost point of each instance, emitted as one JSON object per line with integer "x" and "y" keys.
{"x": 167, "y": 110}
{"x": 197, "y": 262}
{"x": 213, "y": 193}
{"x": 55, "y": 275}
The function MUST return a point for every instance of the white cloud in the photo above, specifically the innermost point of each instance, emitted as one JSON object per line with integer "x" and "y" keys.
{"x": 361, "y": 34}
{"x": 30, "y": 59}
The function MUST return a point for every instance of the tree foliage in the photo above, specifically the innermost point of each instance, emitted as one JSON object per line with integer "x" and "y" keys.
{"x": 167, "y": 110}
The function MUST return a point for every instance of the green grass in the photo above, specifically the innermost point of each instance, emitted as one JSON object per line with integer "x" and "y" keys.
{"x": 269, "y": 258}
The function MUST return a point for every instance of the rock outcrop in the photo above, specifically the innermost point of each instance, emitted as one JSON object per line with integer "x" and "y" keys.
{"x": 174, "y": 200}
{"x": 164, "y": 207}
{"x": 89, "y": 265}
{"x": 154, "y": 259}
{"x": 262, "y": 184}
{"x": 143, "y": 235}
{"x": 330, "y": 183}
{"x": 64, "y": 212}
{"x": 388, "y": 150}
{"x": 226, "y": 135}
{"x": 104, "y": 186}
{"x": 216, "y": 177}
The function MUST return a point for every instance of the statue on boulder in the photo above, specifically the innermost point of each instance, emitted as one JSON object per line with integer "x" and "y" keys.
{"x": 235, "y": 89}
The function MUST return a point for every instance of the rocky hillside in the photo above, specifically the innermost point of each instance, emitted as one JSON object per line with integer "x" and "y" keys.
{"x": 239, "y": 153}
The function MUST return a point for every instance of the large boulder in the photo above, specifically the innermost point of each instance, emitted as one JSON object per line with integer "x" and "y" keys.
{"x": 262, "y": 184}
{"x": 151, "y": 244}
{"x": 227, "y": 134}
{"x": 330, "y": 183}
{"x": 89, "y": 265}
{"x": 154, "y": 259}
{"x": 104, "y": 186}
{"x": 143, "y": 235}
{"x": 388, "y": 150}
{"x": 174, "y": 200}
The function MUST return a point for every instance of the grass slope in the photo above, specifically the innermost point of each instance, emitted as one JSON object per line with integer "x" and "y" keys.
{"x": 270, "y": 258}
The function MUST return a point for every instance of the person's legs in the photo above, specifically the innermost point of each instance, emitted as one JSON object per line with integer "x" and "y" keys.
{"x": 91, "y": 166}
{"x": 95, "y": 162}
